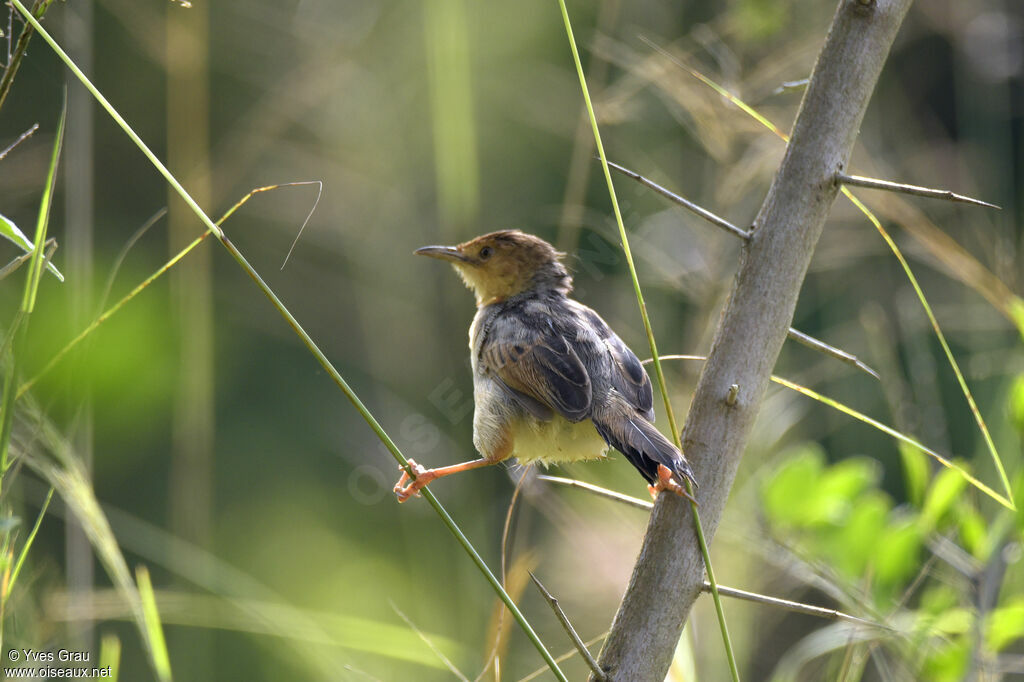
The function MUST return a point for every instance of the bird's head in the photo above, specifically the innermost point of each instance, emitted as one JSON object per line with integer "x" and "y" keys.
{"x": 502, "y": 264}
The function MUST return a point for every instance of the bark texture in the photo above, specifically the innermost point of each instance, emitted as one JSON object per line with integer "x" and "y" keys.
{"x": 669, "y": 572}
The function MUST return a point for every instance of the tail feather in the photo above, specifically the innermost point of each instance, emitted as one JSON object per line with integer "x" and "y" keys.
{"x": 644, "y": 447}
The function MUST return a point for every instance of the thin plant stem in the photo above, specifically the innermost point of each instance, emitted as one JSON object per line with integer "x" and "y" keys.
{"x": 9, "y": 586}
{"x": 564, "y": 657}
{"x": 17, "y": 333}
{"x": 306, "y": 339}
{"x": 21, "y": 138}
{"x": 719, "y": 610}
{"x": 888, "y": 430}
{"x": 430, "y": 644}
{"x": 319, "y": 193}
{"x": 1006, "y": 500}
{"x": 14, "y": 61}
{"x": 552, "y": 601}
{"x": 598, "y": 490}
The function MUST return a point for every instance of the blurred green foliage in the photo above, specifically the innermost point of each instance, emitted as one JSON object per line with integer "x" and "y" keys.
{"x": 869, "y": 548}
{"x": 435, "y": 123}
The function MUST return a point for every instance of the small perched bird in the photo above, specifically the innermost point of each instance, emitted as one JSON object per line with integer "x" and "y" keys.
{"x": 551, "y": 381}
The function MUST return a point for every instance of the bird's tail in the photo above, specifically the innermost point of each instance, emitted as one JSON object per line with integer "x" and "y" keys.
{"x": 644, "y": 447}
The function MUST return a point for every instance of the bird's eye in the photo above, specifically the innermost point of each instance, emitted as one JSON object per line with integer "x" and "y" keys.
{"x": 486, "y": 252}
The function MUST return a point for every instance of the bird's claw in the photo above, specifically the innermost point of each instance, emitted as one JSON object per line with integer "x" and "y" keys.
{"x": 407, "y": 486}
{"x": 666, "y": 482}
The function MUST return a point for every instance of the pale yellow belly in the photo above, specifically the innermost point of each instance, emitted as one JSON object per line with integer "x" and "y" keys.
{"x": 557, "y": 440}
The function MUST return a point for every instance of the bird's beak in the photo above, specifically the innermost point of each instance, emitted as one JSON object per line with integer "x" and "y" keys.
{"x": 449, "y": 253}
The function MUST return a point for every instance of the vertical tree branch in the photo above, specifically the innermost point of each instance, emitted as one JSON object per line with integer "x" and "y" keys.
{"x": 668, "y": 574}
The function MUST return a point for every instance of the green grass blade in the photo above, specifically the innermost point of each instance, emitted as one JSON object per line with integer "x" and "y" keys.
{"x": 174, "y": 260}
{"x": 9, "y": 587}
{"x": 888, "y": 430}
{"x": 12, "y": 233}
{"x": 301, "y": 631}
{"x": 67, "y": 476}
{"x": 16, "y": 334}
{"x": 109, "y": 108}
{"x": 43, "y": 220}
{"x": 297, "y": 328}
{"x": 367, "y": 416}
{"x": 978, "y": 419}
{"x": 106, "y": 315}
{"x": 835, "y": 404}
{"x": 110, "y": 655}
{"x": 702, "y": 541}
{"x": 1007, "y": 500}
{"x": 156, "y": 631}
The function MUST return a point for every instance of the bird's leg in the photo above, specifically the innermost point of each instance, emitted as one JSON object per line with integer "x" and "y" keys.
{"x": 666, "y": 482}
{"x": 407, "y": 487}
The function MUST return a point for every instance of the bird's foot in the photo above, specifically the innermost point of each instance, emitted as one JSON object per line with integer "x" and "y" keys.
{"x": 407, "y": 486}
{"x": 666, "y": 482}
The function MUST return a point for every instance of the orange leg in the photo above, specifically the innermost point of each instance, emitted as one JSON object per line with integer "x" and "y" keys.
{"x": 666, "y": 482}
{"x": 407, "y": 487}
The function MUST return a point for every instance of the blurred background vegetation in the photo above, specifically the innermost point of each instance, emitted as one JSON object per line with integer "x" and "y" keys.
{"x": 228, "y": 463}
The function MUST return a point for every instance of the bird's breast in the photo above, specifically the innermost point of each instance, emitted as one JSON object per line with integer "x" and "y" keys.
{"x": 555, "y": 440}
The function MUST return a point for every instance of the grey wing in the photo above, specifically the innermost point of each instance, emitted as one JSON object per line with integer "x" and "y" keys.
{"x": 627, "y": 374}
{"x": 538, "y": 366}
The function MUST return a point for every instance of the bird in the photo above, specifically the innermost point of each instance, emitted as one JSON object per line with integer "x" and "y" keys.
{"x": 551, "y": 381}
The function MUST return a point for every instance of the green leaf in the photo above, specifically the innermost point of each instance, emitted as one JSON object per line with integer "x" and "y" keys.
{"x": 937, "y": 599}
{"x": 973, "y": 531}
{"x": 788, "y": 494}
{"x": 1005, "y": 625}
{"x": 956, "y": 621}
{"x": 11, "y": 232}
{"x": 915, "y": 472}
{"x": 948, "y": 663}
{"x": 944, "y": 491}
{"x": 896, "y": 553}
{"x": 1016, "y": 403}
{"x": 852, "y": 545}
{"x": 842, "y": 482}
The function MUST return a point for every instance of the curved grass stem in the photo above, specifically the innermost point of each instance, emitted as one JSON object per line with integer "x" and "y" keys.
{"x": 299, "y": 331}
{"x": 719, "y": 610}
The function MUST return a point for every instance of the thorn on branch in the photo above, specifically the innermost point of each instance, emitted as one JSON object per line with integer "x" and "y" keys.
{"x": 685, "y": 203}
{"x": 21, "y": 138}
{"x": 791, "y": 85}
{"x": 795, "y": 606}
{"x": 832, "y": 351}
{"x": 874, "y": 183}
{"x": 599, "y": 673}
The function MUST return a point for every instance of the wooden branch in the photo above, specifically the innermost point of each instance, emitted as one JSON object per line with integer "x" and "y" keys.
{"x": 669, "y": 572}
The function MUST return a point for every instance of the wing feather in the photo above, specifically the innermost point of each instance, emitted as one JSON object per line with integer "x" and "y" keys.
{"x": 540, "y": 368}
{"x": 627, "y": 374}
